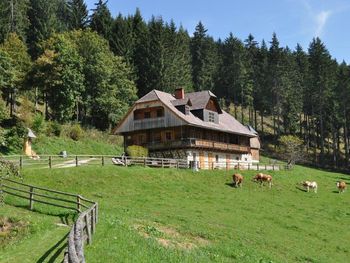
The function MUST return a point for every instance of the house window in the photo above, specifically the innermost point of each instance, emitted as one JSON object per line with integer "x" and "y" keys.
{"x": 160, "y": 113}
{"x": 168, "y": 136}
{"x": 147, "y": 114}
{"x": 211, "y": 117}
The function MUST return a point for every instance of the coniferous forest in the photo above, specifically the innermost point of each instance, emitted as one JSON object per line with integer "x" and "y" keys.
{"x": 78, "y": 65}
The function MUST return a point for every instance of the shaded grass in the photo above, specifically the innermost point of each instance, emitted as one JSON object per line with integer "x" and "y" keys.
{"x": 252, "y": 224}
{"x": 40, "y": 242}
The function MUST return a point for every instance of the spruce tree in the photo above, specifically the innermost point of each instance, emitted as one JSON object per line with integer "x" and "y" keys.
{"x": 77, "y": 14}
{"x": 204, "y": 59}
{"x": 42, "y": 16}
{"x": 13, "y": 18}
{"x": 101, "y": 20}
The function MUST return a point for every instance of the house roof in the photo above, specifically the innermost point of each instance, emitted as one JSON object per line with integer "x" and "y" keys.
{"x": 180, "y": 102}
{"x": 199, "y": 100}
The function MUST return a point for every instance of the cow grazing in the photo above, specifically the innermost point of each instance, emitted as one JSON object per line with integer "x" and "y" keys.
{"x": 341, "y": 185}
{"x": 261, "y": 178}
{"x": 237, "y": 180}
{"x": 309, "y": 184}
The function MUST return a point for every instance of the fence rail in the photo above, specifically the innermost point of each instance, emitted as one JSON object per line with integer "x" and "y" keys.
{"x": 83, "y": 227}
{"x": 58, "y": 161}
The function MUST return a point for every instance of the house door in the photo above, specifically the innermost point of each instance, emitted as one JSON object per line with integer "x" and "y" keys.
{"x": 210, "y": 161}
{"x": 201, "y": 160}
{"x": 228, "y": 160}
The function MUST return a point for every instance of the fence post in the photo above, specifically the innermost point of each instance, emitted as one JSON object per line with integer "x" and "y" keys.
{"x": 257, "y": 167}
{"x": 50, "y": 162}
{"x": 88, "y": 229}
{"x": 177, "y": 164}
{"x": 20, "y": 162}
{"x": 265, "y": 167}
{"x": 76, "y": 160}
{"x": 103, "y": 160}
{"x": 78, "y": 203}
{"x": 248, "y": 166}
{"x": 162, "y": 163}
{"x": 1, "y": 193}
{"x": 31, "y": 195}
{"x": 273, "y": 167}
{"x": 92, "y": 218}
{"x": 144, "y": 161}
{"x": 212, "y": 165}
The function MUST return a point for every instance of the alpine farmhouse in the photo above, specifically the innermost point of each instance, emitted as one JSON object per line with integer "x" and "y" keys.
{"x": 189, "y": 126}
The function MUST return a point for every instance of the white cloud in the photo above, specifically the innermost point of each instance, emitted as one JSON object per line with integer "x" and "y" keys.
{"x": 321, "y": 20}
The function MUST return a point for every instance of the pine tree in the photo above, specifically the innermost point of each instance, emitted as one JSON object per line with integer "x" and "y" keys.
{"x": 77, "y": 14}
{"x": 204, "y": 59}
{"x": 42, "y": 16}
{"x": 275, "y": 84}
{"x": 321, "y": 83}
{"x": 101, "y": 19}
{"x": 122, "y": 40}
{"x": 13, "y": 18}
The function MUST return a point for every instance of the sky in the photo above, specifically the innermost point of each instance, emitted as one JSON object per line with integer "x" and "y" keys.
{"x": 294, "y": 21}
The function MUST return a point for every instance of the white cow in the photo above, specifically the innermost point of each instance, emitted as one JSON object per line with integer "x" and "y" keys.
{"x": 308, "y": 185}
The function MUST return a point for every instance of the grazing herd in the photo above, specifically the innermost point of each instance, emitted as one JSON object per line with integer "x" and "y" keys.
{"x": 266, "y": 178}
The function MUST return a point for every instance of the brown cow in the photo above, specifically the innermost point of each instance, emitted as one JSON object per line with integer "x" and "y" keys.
{"x": 261, "y": 178}
{"x": 237, "y": 180}
{"x": 341, "y": 185}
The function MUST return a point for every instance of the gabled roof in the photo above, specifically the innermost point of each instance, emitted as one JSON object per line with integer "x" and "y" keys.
{"x": 180, "y": 102}
{"x": 200, "y": 99}
{"x": 227, "y": 123}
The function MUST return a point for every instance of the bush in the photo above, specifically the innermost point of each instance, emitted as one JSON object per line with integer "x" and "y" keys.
{"x": 76, "y": 132}
{"x": 38, "y": 123}
{"x": 137, "y": 151}
{"x": 14, "y": 138}
{"x": 53, "y": 128}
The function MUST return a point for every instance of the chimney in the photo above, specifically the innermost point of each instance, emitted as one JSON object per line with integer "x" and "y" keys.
{"x": 180, "y": 93}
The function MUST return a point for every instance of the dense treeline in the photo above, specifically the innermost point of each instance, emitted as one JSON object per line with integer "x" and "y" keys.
{"x": 91, "y": 68}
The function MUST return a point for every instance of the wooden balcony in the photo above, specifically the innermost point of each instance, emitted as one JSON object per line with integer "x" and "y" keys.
{"x": 149, "y": 123}
{"x": 197, "y": 143}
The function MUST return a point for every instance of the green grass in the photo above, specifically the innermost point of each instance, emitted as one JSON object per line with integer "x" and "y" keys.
{"x": 54, "y": 145}
{"x": 40, "y": 239}
{"x": 168, "y": 215}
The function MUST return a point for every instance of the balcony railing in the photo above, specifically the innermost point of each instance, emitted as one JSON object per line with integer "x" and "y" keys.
{"x": 197, "y": 143}
{"x": 149, "y": 123}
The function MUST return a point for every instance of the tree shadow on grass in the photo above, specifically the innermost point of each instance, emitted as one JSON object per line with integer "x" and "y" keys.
{"x": 55, "y": 251}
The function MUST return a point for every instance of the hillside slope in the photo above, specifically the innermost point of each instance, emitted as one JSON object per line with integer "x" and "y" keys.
{"x": 158, "y": 215}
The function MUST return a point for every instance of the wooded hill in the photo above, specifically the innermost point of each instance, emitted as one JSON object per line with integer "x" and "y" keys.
{"x": 90, "y": 68}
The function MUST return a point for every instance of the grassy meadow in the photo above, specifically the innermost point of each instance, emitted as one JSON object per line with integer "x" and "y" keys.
{"x": 169, "y": 215}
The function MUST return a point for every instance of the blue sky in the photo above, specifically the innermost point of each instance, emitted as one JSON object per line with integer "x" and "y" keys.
{"x": 294, "y": 21}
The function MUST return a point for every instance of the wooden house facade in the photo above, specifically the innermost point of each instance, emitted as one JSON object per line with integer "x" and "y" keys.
{"x": 189, "y": 126}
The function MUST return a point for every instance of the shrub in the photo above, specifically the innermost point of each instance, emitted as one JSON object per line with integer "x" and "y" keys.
{"x": 14, "y": 138}
{"x": 53, "y": 128}
{"x": 38, "y": 123}
{"x": 137, "y": 151}
{"x": 76, "y": 132}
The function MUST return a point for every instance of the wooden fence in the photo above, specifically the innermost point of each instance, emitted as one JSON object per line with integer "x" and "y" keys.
{"x": 83, "y": 227}
{"x": 58, "y": 161}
